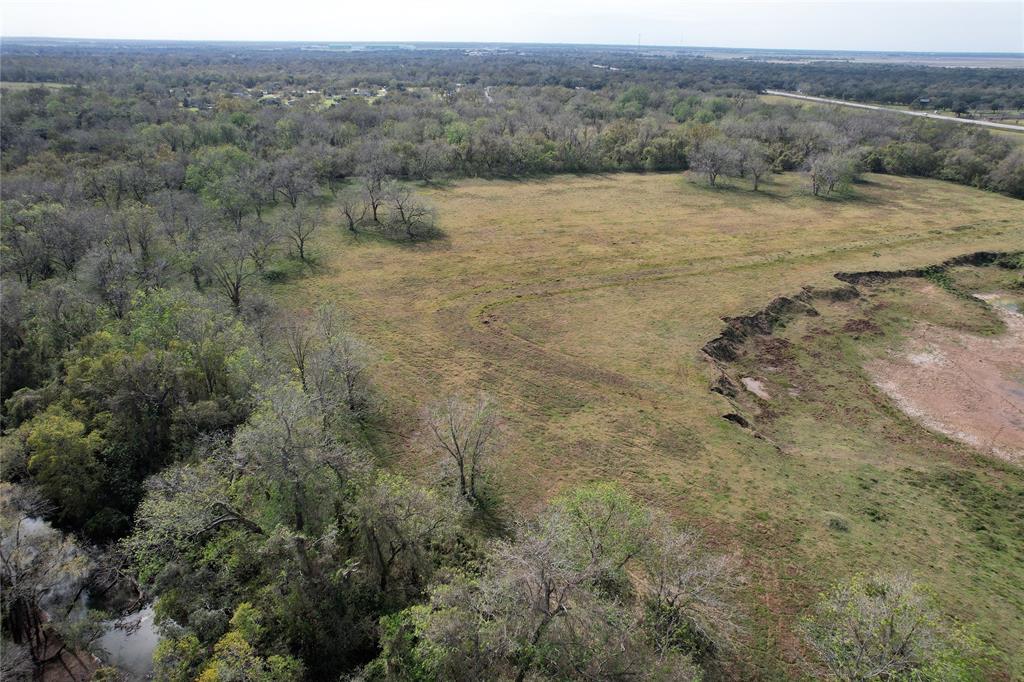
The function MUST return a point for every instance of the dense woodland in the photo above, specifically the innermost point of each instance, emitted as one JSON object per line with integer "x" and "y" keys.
{"x": 193, "y": 444}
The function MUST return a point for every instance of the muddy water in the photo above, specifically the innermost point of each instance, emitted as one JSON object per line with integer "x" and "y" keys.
{"x": 129, "y": 644}
{"x": 967, "y": 387}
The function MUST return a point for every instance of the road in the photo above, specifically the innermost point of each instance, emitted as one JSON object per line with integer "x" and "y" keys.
{"x": 921, "y": 114}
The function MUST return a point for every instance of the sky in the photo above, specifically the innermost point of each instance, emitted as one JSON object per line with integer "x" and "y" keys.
{"x": 904, "y": 25}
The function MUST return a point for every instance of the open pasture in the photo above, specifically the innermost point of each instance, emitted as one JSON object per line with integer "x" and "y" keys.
{"x": 581, "y": 305}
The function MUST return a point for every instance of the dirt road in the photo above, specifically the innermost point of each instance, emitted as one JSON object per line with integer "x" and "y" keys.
{"x": 875, "y": 107}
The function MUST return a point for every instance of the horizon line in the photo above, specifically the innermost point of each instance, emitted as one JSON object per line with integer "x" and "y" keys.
{"x": 243, "y": 41}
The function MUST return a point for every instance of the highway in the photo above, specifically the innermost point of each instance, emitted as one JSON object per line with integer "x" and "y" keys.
{"x": 920, "y": 114}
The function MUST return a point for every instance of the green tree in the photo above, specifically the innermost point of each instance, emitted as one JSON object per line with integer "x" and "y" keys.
{"x": 63, "y": 460}
{"x": 218, "y": 174}
{"x": 890, "y": 628}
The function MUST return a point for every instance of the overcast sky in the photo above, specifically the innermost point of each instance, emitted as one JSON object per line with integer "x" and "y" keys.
{"x": 913, "y": 25}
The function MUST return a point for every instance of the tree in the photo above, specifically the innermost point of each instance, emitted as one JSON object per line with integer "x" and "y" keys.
{"x": 1008, "y": 176}
{"x": 63, "y": 460}
{"x": 235, "y": 658}
{"x": 374, "y": 194}
{"x": 21, "y": 239}
{"x": 232, "y": 267}
{"x": 908, "y": 158}
{"x": 376, "y": 168}
{"x": 753, "y": 161}
{"x": 399, "y": 524}
{"x": 218, "y": 174}
{"x": 466, "y": 432}
{"x": 690, "y": 594}
{"x": 353, "y": 207}
{"x": 552, "y": 602}
{"x": 889, "y": 627}
{"x": 713, "y": 157}
{"x": 409, "y": 213}
{"x": 293, "y": 179}
{"x": 335, "y": 370}
{"x": 299, "y": 226}
{"x": 262, "y": 237}
{"x": 831, "y": 171}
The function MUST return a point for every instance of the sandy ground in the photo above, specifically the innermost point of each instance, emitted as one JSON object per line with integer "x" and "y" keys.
{"x": 967, "y": 387}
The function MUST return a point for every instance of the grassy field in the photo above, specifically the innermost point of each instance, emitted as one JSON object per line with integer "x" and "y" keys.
{"x": 581, "y": 304}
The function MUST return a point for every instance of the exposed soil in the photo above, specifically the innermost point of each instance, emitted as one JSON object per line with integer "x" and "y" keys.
{"x": 756, "y": 386}
{"x": 967, "y": 387}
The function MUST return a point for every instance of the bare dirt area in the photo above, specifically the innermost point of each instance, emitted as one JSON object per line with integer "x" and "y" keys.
{"x": 967, "y": 387}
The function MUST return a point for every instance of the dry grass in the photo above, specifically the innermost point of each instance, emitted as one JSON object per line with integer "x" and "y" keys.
{"x": 581, "y": 304}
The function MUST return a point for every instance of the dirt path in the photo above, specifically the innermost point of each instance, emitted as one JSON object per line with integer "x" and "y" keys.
{"x": 967, "y": 387}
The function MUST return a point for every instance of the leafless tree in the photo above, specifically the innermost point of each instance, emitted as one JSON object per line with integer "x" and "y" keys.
{"x": 713, "y": 157}
{"x": 353, "y": 207}
{"x": 293, "y": 179}
{"x": 336, "y": 370}
{"x": 232, "y": 267}
{"x": 374, "y": 194}
{"x": 689, "y": 588}
{"x": 753, "y": 161}
{"x": 466, "y": 432}
{"x": 828, "y": 172}
{"x": 408, "y": 212}
{"x": 299, "y": 225}
{"x": 261, "y": 237}
{"x": 298, "y": 341}
{"x": 376, "y": 168}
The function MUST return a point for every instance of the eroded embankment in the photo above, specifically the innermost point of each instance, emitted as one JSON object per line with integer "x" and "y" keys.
{"x": 962, "y": 385}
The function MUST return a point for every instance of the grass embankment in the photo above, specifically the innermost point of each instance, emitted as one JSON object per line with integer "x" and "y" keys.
{"x": 581, "y": 304}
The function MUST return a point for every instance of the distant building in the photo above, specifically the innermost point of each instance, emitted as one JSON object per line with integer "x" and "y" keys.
{"x": 924, "y": 101}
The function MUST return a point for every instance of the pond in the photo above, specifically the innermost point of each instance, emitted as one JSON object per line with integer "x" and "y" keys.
{"x": 130, "y": 642}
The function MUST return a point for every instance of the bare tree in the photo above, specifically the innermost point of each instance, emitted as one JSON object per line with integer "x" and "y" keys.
{"x": 753, "y": 161}
{"x": 353, "y": 207}
{"x": 831, "y": 171}
{"x": 408, "y": 212}
{"x": 713, "y": 157}
{"x": 293, "y": 179}
{"x": 376, "y": 169}
{"x": 467, "y": 434}
{"x": 298, "y": 341}
{"x": 689, "y": 589}
{"x": 262, "y": 237}
{"x": 336, "y": 370}
{"x": 233, "y": 267}
{"x": 299, "y": 225}
{"x": 374, "y": 193}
